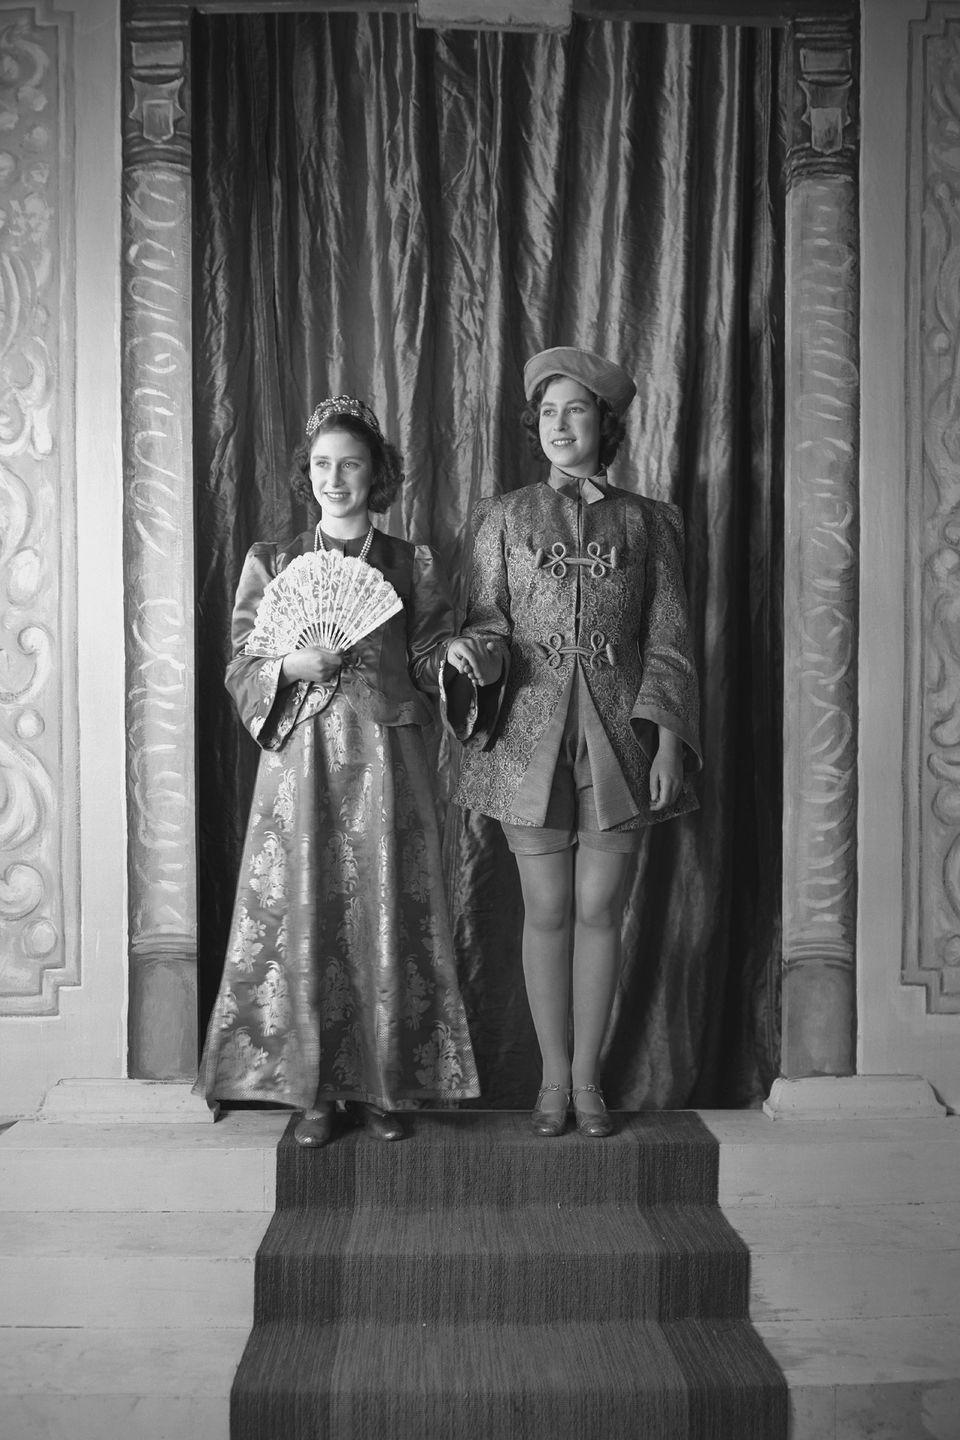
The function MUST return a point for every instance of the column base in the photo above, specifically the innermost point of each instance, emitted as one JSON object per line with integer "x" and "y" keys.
{"x": 125, "y": 1102}
{"x": 873, "y": 1097}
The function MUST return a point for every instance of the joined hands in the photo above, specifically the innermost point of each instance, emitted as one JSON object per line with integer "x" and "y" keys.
{"x": 478, "y": 659}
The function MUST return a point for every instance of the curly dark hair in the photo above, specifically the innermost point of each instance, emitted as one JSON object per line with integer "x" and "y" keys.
{"x": 612, "y": 428}
{"x": 387, "y": 466}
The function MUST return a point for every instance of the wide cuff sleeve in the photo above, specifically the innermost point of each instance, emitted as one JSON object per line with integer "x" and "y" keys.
{"x": 471, "y": 712}
{"x": 669, "y": 693}
{"x": 430, "y": 622}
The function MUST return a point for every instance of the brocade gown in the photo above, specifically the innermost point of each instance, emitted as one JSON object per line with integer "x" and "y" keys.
{"x": 339, "y": 980}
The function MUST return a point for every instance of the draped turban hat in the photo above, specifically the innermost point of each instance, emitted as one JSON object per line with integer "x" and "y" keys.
{"x": 600, "y": 376}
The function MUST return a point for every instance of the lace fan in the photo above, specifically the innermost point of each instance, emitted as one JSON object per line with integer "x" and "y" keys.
{"x": 324, "y": 598}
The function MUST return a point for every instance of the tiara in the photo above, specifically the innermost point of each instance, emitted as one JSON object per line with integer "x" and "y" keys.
{"x": 343, "y": 405}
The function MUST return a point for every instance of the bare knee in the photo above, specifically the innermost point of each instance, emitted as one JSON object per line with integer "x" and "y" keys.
{"x": 597, "y": 915}
{"x": 546, "y": 883}
{"x": 599, "y": 889}
{"x": 547, "y": 918}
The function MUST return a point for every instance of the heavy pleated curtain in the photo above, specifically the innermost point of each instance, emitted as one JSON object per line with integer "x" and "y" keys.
{"x": 406, "y": 215}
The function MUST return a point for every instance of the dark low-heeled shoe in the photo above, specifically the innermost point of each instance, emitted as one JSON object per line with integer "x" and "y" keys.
{"x": 595, "y": 1123}
{"x": 315, "y": 1128}
{"x": 380, "y": 1124}
{"x": 549, "y": 1123}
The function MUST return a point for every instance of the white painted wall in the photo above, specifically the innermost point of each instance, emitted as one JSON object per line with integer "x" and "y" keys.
{"x": 87, "y": 1037}
{"x": 896, "y": 1035}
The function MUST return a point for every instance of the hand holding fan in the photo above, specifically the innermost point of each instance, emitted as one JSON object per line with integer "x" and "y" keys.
{"x": 325, "y": 598}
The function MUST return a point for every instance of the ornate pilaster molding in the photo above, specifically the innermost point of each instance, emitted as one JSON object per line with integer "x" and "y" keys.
{"x": 821, "y": 556}
{"x": 39, "y": 842}
{"x": 540, "y": 15}
{"x": 823, "y": 109}
{"x": 158, "y": 541}
{"x": 932, "y": 759}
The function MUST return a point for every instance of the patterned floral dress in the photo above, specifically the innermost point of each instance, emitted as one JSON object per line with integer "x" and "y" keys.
{"x": 340, "y": 980}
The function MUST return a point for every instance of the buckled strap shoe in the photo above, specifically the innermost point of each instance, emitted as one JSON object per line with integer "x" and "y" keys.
{"x": 549, "y": 1123}
{"x": 596, "y": 1124}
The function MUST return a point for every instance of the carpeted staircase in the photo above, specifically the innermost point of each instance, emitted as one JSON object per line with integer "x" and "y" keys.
{"x": 474, "y": 1282}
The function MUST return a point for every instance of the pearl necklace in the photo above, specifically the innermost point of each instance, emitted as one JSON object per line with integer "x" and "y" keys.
{"x": 319, "y": 544}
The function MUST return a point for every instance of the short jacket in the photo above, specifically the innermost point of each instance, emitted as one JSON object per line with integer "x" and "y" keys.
{"x": 384, "y": 675}
{"x": 599, "y": 586}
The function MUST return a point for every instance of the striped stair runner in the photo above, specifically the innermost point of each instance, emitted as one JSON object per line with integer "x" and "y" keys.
{"x": 473, "y": 1282}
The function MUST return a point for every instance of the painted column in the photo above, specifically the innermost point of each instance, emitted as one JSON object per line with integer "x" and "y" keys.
{"x": 158, "y": 542}
{"x": 821, "y": 554}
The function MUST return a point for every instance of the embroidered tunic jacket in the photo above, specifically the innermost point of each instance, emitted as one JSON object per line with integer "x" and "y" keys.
{"x": 580, "y": 585}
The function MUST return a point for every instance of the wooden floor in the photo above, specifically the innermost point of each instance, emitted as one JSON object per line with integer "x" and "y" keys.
{"x": 126, "y": 1270}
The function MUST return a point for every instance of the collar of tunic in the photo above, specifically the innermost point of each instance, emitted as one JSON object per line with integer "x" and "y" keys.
{"x": 589, "y": 490}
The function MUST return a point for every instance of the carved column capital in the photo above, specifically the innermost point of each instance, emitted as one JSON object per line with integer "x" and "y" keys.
{"x": 822, "y": 109}
{"x": 156, "y": 99}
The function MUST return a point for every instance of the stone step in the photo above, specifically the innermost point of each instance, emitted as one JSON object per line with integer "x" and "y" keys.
{"x": 834, "y": 1161}
{"x": 227, "y": 1166}
{"x": 528, "y": 1264}
{"x": 125, "y": 1102}
{"x": 848, "y": 1380}
{"x": 181, "y": 1268}
{"x": 882, "y": 1371}
{"x": 491, "y": 1157}
{"x": 185, "y": 1268}
{"x": 456, "y": 1380}
{"x": 895, "y": 1379}
{"x": 108, "y": 1384}
{"x": 232, "y": 1164}
{"x": 89, "y": 1268}
{"x": 835, "y": 1262}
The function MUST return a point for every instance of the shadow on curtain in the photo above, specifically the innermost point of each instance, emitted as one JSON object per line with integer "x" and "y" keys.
{"x": 407, "y": 215}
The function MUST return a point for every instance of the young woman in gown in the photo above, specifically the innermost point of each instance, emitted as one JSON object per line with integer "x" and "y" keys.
{"x": 339, "y": 982}
{"x": 585, "y": 728}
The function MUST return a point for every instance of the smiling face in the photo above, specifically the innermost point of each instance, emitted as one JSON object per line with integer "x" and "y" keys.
{"x": 570, "y": 426}
{"x": 341, "y": 473}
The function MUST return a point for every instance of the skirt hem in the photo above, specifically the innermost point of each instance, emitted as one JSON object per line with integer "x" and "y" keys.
{"x": 410, "y": 1097}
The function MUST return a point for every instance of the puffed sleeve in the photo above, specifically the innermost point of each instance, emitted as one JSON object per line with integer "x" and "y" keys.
{"x": 470, "y": 712}
{"x": 669, "y": 689}
{"x": 429, "y": 619}
{"x": 267, "y": 709}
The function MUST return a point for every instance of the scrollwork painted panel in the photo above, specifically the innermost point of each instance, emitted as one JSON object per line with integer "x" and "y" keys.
{"x": 38, "y": 802}
{"x": 932, "y": 761}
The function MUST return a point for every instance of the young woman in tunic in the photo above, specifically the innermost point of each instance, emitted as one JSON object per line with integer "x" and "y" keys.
{"x": 585, "y": 727}
{"x": 339, "y": 982}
